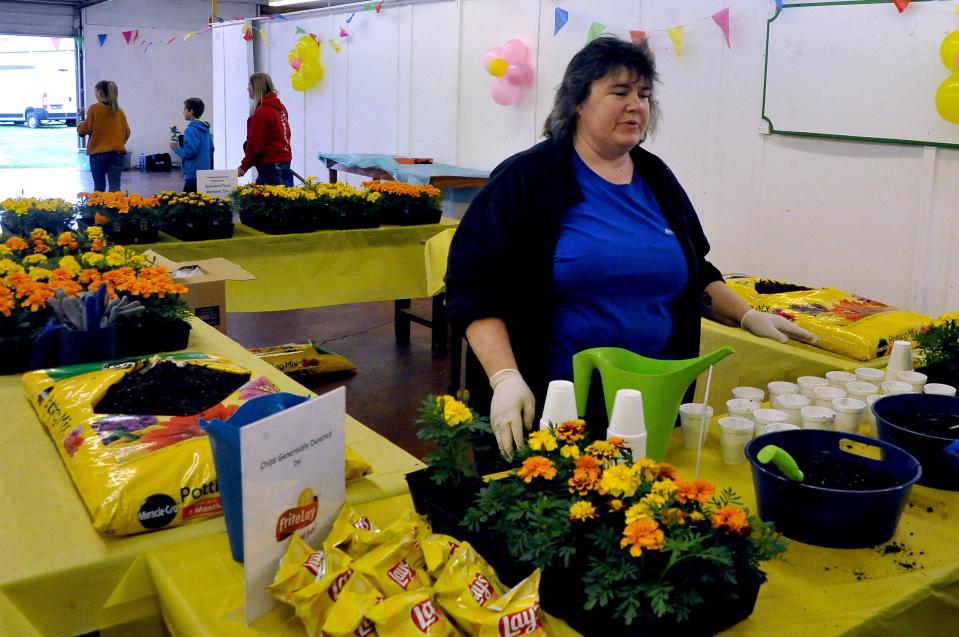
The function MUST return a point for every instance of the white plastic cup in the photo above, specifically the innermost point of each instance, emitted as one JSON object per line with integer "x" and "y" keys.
{"x": 791, "y": 405}
{"x": 815, "y": 417}
{"x": 560, "y": 404}
{"x": 742, "y": 407}
{"x": 900, "y": 359}
{"x": 869, "y": 418}
{"x": 691, "y": 418}
{"x": 893, "y": 387}
{"x": 870, "y": 375}
{"x": 825, "y": 395}
{"x": 939, "y": 388}
{"x": 839, "y": 378}
{"x": 916, "y": 379}
{"x": 763, "y": 417}
{"x": 779, "y": 388}
{"x": 808, "y": 385}
{"x": 734, "y": 433}
{"x": 860, "y": 390}
{"x": 849, "y": 413}
{"x": 749, "y": 393}
{"x": 773, "y": 427}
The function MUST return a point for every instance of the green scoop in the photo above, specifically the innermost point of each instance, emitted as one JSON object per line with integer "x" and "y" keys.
{"x": 781, "y": 458}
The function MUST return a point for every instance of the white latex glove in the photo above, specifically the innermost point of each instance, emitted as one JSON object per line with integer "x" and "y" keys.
{"x": 512, "y": 407}
{"x": 778, "y": 328}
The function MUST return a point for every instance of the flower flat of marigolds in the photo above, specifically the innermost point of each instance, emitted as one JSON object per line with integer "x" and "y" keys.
{"x": 645, "y": 542}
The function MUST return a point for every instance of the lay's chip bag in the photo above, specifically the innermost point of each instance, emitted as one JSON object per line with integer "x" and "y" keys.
{"x": 437, "y": 550}
{"x": 300, "y": 566}
{"x": 393, "y": 567}
{"x": 314, "y": 601}
{"x": 467, "y": 588}
{"x": 351, "y": 527}
{"x": 515, "y": 613}
{"x": 410, "y": 614}
{"x": 348, "y": 617}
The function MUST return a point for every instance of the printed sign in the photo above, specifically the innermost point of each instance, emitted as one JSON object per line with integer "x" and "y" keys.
{"x": 293, "y": 482}
{"x": 218, "y": 183}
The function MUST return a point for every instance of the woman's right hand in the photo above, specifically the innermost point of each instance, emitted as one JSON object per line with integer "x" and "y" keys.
{"x": 513, "y": 407}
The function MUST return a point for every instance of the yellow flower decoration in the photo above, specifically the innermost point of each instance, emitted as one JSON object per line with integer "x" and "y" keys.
{"x": 602, "y": 449}
{"x": 638, "y": 512}
{"x": 34, "y": 259}
{"x": 542, "y": 440}
{"x": 569, "y": 451}
{"x": 8, "y": 266}
{"x": 39, "y": 274}
{"x": 619, "y": 481}
{"x": 455, "y": 412}
{"x": 581, "y": 510}
{"x": 92, "y": 258}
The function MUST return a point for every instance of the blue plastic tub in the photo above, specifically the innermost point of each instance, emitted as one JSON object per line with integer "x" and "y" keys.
{"x": 832, "y": 517}
{"x": 895, "y": 413}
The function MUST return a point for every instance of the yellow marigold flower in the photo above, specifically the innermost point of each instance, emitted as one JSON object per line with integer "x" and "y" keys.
{"x": 537, "y": 467}
{"x": 638, "y": 512}
{"x": 571, "y": 430}
{"x": 615, "y": 505}
{"x": 581, "y": 510}
{"x": 455, "y": 412}
{"x": 731, "y": 520}
{"x": 602, "y": 449}
{"x": 642, "y": 534}
{"x": 646, "y": 469}
{"x": 664, "y": 487}
{"x": 70, "y": 264}
{"x": 4, "y": 250}
{"x": 39, "y": 274}
{"x": 619, "y": 481}
{"x": 8, "y": 266}
{"x": 542, "y": 440}
{"x": 697, "y": 516}
{"x": 569, "y": 451}
{"x": 92, "y": 258}
{"x": 654, "y": 500}
{"x": 34, "y": 259}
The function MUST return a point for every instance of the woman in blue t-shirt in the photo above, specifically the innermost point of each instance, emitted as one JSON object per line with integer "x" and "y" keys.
{"x": 585, "y": 240}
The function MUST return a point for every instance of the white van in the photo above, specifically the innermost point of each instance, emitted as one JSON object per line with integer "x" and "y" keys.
{"x": 38, "y": 88}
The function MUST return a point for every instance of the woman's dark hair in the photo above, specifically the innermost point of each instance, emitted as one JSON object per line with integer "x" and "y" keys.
{"x": 603, "y": 56}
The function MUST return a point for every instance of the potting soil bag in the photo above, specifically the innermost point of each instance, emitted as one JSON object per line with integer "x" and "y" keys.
{"x": 410, "y": 614}
{"x": 846, "y": 323}
{"x": 303, "y": 358}
{"x": 138, "y": 473}
{"x": 347, "y": 615}
{"x": 301, "y": 565}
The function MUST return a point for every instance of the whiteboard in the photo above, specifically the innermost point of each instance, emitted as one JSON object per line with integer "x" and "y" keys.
{"x": 858, "y": 70}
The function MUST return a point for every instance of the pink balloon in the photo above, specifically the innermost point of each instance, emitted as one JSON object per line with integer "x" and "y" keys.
{"x": 504, "y": 93}
{"x": 514, "y": 51}
{"x": 295, "y": 63}
{"x": 491, "y": 54}
{"x": 519, "y": 74}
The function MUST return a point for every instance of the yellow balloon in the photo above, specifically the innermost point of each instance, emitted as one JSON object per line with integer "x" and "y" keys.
{"x": 299, "y": 82}
{"x": 497, "y": 67}
{"x": 947, "y": 99}
{"x": 949, "y": 50}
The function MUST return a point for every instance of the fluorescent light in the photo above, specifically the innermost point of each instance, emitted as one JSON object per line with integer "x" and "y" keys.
{"x": 286, "y": 3}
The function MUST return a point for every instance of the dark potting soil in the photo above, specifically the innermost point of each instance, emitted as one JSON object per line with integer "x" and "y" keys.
{"x": 941, "y": 425}
{"x": 166, "y": 389}
{"x": 832, "y": 472}
{"x": 766, "y": 286}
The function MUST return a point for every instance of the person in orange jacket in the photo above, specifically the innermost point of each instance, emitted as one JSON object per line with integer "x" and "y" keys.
{"x": 106, "y": 124}
{"x": 267, "y": 146}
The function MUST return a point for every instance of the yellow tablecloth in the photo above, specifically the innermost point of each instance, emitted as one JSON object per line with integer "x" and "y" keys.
{"x": 814, "y": 591}
{"x": 57, "y": 575}
{"x": 315, "y": 269}
{"x": 758, "y": 361}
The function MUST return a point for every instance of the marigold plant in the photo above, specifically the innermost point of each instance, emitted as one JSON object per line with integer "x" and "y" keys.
{"x": 23, "y": 214}
{"x": 450, "y": 425}
{"x": 647, "y": 544}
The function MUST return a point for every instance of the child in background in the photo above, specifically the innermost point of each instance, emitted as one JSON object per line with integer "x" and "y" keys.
{"x": 197, "y": 146}
{"x": 106, "y": 124}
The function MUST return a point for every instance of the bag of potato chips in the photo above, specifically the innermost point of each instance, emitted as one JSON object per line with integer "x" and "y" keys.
{"x": 410, "y": 614}
{"x": 303, "y": 358}
{"x": 393, "y": 566}
{"x": 515, "y": 613}
{"x": 314, "y": 601}
{"x": 467, "y": 588}
{"x": 437, "y": 549}
{"x": 349, "y": 526}
{"x": 300, "y": 566}
{"x": 347, "y": 617}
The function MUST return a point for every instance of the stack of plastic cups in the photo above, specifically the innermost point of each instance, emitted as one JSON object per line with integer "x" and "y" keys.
{"x": 870, "y": 375}
{"x": 791, "y": 405}
{"x": 627, "y": 421}
{"x": 560, "y": 404}
{"x": 900, "y": 359}
{"x": 916, "y": 379}
{"x": 808, "y": 385}
{"x": 691, "y": 418}
{"x": 779, "y": 388}
{"x": 849, "y": 413}
{"x": 839, "y": 378}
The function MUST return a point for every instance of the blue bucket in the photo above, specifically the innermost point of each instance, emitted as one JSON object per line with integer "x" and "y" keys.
{"x": 836, "y": 518}
{"x": 225, "y": 442}
{"x": 895, "y": 413}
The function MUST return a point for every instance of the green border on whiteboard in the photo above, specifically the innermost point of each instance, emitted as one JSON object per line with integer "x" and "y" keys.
{"x": 882, "y": 140}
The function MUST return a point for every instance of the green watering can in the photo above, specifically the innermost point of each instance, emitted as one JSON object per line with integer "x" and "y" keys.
{"x": 663, "y": 384}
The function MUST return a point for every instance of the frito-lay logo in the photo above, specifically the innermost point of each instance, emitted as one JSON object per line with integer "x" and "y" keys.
{"x": 339, "y": 583}
{"x": 402, "y": 574}
{"x": 299, "y": 517}
{"x": 315, "y": 563}
{"x": 481, "y": 589}
{"x": 424, "y": 615}
{"x": 366, "y": 628}
{"x": 363, "y": 522}
{"x": 521, "y": 623}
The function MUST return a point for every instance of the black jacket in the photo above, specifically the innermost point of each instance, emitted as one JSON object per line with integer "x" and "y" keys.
{"x": 501, "y": 258}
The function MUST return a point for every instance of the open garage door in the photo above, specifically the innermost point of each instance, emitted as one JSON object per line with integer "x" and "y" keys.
{"x": 58, "y": 18}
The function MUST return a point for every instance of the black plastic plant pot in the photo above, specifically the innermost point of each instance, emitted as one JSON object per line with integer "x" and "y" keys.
{"x": 140, "y": 339}
{"x": 199, "y": 231}
{"x": 87, "y": 346}
{"x": 15, "y": 353}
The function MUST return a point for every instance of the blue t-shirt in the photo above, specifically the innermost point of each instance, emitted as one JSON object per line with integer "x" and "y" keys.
{"x": 617, "y": 270}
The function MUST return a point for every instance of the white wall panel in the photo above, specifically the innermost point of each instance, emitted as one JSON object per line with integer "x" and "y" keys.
{"x": 434, "y": 83}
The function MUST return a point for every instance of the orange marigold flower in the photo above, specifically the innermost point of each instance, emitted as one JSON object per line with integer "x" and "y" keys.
{"x": 16, "y": 244}
{"x": 731, "y": 520}
{"x": 537, "y": 467}
{"x": 642, "y": 534}
{"x": 700, "y": 491}
{"x": 674, "y": 516}
{"x": 586, "y": 473}
{"x": 99, "y": 219}
{"x": 6, "y": 301}
{"x": 571, "y": 431}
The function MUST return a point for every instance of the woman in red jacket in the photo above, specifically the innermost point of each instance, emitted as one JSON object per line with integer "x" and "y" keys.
{"x": 267, "y": 146}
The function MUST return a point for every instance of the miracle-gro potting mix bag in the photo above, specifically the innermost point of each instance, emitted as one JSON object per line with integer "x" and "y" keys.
{"x": 142, "y": 472}
{"x": 846, "y": 323}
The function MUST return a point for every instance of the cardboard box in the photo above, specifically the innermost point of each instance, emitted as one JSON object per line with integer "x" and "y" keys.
{"x": 206, "y": 279}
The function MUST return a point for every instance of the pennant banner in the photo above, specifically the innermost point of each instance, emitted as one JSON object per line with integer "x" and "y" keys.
{"x": 350, "y": 19}
{"x": 300, "y": 30}
{"x": 560, "y": 18}
{"x": 379, "y": 6}
{"x": 595, "y": 29}
{"x": 126, "y": 36}
{"x": 676, "y": 35}
{"x": 638, "y": 37}
{"x": 721, "y": 18}
{"x": 78, "y": 41}
{"x": 55, "y": 42}
{"x": 102, "y": 37}
{"x": 901, "y": 4}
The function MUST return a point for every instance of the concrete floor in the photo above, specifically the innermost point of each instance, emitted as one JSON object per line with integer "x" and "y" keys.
{"x": 391, "y": 380}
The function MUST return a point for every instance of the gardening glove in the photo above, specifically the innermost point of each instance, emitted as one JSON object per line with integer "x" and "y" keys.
{"x": 512, "y": 407}
{"x": 778, "y": 328}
